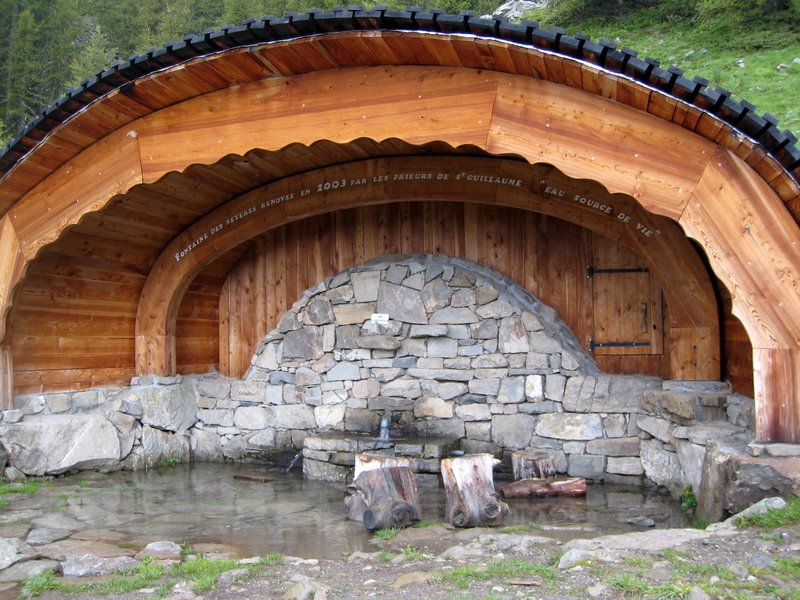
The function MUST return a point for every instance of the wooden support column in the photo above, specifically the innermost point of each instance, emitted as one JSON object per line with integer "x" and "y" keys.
{"x": 751, "y": 241}
{"x": 777, "y": 394}
{"x": 6, "y": 378}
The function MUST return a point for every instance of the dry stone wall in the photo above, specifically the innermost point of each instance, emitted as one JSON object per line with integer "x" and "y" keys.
{"x": 443, "y": 346}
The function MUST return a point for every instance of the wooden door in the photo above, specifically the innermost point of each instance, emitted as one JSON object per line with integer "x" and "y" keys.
{"x": 627, "y": 302}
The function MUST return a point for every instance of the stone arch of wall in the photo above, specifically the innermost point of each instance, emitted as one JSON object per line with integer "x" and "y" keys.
{"x": 539, "y": 188}
{"x": 448, "y": 349}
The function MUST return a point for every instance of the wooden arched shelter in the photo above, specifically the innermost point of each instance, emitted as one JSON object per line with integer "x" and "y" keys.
{"x": 162, "y": 217}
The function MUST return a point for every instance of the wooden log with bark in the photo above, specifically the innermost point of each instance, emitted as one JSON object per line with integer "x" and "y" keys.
{"x": 383, "y": 496}
{"x": 471, "y": 498}
{"x": 542, "y": 488}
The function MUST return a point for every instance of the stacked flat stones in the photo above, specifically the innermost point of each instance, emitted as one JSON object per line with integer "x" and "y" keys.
{"x": 465, "y": 355}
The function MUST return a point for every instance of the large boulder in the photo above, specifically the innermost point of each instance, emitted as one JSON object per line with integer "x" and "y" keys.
{"x": 732, "y": 480}
{"x": 661, "y": 465}
{"x": 164, "y": 447}
{"x": 169, "y": 407}
{"x": 52, "y": 444}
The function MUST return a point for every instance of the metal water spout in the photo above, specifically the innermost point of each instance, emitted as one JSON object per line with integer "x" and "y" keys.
{"x": 385, "y": 424}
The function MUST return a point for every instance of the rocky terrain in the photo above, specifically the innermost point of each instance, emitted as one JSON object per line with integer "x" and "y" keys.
{"x": 439, "y": 561}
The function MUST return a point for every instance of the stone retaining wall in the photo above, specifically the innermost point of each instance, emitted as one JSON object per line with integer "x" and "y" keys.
{"x": 464, "y": 353}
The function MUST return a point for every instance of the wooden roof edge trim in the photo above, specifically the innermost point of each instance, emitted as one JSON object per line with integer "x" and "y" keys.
{"x": 741, "y": 115}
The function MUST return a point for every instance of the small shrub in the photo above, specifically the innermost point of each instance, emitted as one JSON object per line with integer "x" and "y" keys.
{"x": 688, "y": 499}
{"x": 168, "y": 461}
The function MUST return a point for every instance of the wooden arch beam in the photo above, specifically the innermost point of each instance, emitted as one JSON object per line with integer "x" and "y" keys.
{"x": 512, "y": 183}
{"x": 669, "y": 170}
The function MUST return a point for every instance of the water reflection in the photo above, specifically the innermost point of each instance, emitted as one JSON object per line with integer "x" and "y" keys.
{"x": 203, "y": 503}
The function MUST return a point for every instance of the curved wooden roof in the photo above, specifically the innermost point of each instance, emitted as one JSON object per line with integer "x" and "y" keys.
{"x": 131, "y": 89}
{"x": 116, "y": 174}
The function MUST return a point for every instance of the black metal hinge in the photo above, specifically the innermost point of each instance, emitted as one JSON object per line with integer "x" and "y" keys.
{"x": 593, "y": 344}
{"x": 591, "y": 271}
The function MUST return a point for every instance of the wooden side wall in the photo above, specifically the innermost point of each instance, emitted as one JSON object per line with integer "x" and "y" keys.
{"x": 547, "y": 256}
{"x": 737, "y": 351}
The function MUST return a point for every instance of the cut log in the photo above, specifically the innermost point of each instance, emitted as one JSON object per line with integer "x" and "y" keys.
{"x": 368, "y": 462}
{"x": 542, "y": 488}
{"x": 252, "y": 477}
{"x": 529, "y": 465}
{"x": 471, "y": 498}
{"x": 384, "y": 497}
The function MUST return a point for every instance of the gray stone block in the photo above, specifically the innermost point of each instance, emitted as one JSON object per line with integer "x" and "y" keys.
{"x": 615, "y": 447}
{"x": 586, "y": 465}
{"x": 567, "y": 426}
{"x": 624, "y": 466}
{"x": 436, "y": 295}
{"x": 344, "y": 371}
{"x": 512, "y": 431}
{"x": 365, "y": 285}
{"x": 513, "y": 337}
{"x": 305, "y": 343}
{"x": 512, "y": 390}
{"x": 401, "y": 304}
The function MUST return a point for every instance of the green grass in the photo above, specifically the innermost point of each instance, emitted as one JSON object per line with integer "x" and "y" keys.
{"x": 428, "y": 523}
{"x": 463, "y": 577}
{"x": 712, "y": 48}
{"x": 22, "y": 487}
{"x": 385, "y": 556}
{"x": 413, "y": 553}
{"x": 200, "y": 572}
{"x": 526, "y": 528}
{"x": 781, "y": 517}
{"x": 686, "y": 572}
{"x": 634, "y": 585}
{"x": 387, "y": 534}
{"x": 28, "y": 486}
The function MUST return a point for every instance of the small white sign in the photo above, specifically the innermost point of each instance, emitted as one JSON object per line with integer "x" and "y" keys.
{"x": 379, "y": 318}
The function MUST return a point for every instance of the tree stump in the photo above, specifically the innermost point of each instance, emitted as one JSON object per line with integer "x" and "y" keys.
{"x": 530, "y": 465}
{"x": 542, "y": 488}
{"x": 368, "y": 462}
{"x": 384, "y": 497}
{"x": 471, "y": 498}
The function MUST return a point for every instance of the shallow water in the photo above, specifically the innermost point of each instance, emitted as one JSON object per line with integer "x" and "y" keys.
{"x": 203, "y": 503}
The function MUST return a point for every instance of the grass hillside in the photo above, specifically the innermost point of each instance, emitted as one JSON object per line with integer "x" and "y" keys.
{"x": 754, "y": 55}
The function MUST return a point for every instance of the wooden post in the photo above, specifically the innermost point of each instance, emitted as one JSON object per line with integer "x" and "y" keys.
{"x": 471, "y": 497}
{"x": 6, "y": 378}
{"x": 384, "y": 497}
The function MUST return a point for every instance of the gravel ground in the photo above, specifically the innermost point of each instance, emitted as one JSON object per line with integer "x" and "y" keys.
{"x": 441, "y": 562}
